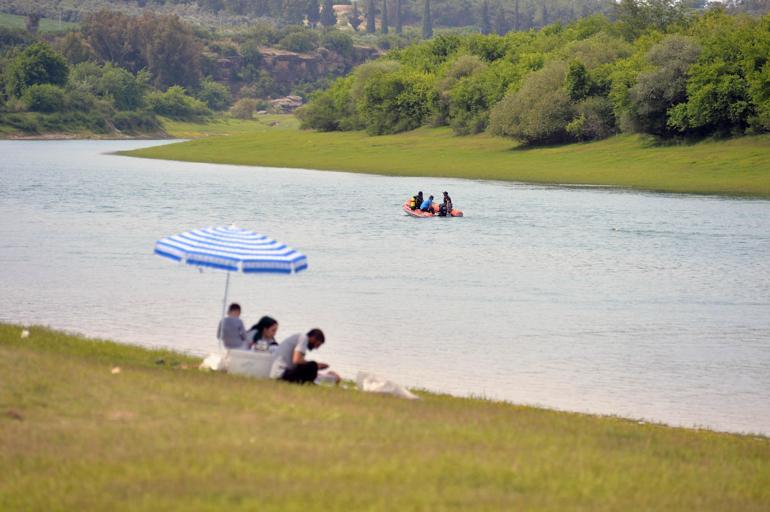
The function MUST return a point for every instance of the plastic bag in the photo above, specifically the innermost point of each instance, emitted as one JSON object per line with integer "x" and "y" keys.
{"x": 376, "y": 384}
{"x": 213, "y": 362}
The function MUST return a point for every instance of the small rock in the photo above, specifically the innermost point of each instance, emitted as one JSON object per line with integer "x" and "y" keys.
{"x": 115, "y": 370}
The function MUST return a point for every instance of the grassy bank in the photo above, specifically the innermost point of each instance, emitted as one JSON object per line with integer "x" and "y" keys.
{"x": 46, "y": 24}
{"x": 160, "y": 435}
{"x": 738, "y": 166}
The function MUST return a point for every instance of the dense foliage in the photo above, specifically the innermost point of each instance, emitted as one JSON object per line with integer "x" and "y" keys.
{"x": 656, "y": 69}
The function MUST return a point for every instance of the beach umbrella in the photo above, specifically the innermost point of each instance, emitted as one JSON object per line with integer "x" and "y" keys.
{"x": 231, "y": 249}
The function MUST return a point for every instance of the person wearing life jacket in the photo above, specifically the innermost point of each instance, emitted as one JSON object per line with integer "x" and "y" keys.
{"x": 427, "y": 205}
{"x": 447, "y": 203}
{"x": 416, "y": 201}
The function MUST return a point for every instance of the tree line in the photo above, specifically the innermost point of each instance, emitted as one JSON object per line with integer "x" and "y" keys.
{"x": 657, "y": 69}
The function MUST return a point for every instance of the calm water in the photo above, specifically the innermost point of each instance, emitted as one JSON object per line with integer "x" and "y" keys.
{"x": 641, "y": 305}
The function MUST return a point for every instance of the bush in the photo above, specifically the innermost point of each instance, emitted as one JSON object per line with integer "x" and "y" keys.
{"x": 176, "y": 104}
{"x": 332, "y": 109}
{"x": 135, "y": 121}
{"x": 215, "y": 95}
{"x": 299, "y": 41}
{"x": 125, "y": 89}
{"x": 37, "y": 64}
{"x": 338, "y": 42}
{"x": 243, "y": 108}
{"x": 397, "y": 102}
{"x": 538, "y": 113}
{"x": 44, "y": 98}
{"x": 595, "y": 119}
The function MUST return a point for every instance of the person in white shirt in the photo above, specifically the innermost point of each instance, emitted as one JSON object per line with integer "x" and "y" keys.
{"x": 289, "y": 361}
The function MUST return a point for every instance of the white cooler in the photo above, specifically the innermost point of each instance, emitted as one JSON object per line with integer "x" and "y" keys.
{"x": 249, "y": 363}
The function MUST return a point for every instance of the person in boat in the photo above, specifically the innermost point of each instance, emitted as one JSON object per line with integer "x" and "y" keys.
{"x": 427, "y": 205}
{"x": 231, "y": 330}
{"x": 289, "y": 361}
{"x": 262, "y": 334}
{"x": 447, "y": 203}
{"x": 416, "y": 201}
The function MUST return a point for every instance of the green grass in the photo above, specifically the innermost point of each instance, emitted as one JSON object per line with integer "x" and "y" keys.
{"x": 222, "y": 125}
{"x": 75, "y": 436}
{"x": 46, "y": 24}
{"x": 739, "y": 166}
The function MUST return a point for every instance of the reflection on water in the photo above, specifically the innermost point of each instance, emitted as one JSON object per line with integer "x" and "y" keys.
{"x": 587, "y": 299}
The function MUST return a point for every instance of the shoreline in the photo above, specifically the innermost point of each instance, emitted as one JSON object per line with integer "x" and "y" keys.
{"x": 738, "y": 167}
{"x": 201, "y": 354}
{"x": 139, "y": 422}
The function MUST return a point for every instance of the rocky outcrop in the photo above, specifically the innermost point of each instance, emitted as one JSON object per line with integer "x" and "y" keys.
{"x": 285, "y": 66}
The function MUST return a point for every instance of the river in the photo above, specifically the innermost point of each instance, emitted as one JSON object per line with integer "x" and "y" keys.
{"x": 641, "y": 305}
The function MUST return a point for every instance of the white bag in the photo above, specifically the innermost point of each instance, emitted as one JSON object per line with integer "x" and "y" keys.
{"x": 213, "y": 362}
{"x": 376, "y": 384}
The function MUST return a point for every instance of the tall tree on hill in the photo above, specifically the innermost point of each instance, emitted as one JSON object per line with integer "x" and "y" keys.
{"x": 371, "y": 26}
{"x": 328, "y": 16}
{"x": 354, "y": 18}
{"x": 313, "y": 13}
{"x": 384, "y": 20}
{"x": 500, "y": 25}
{"x": 427, "y": 21}
{"x": 486, "y": 26}
{"x": 399, "y": 27}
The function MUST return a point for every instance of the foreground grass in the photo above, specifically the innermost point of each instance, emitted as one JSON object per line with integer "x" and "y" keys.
{"x": 739, "y": 166}
{"x": 76, "y": 436}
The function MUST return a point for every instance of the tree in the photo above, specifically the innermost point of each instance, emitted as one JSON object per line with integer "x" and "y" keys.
{"x": 328, "y": 16}
{"x": 399, "y": 23}
{"x": 384, "y": 20}
{"x": 313, "y": 13}
{"x": 355, "y": 17}
{"x": 516, "y": 24}
{"x": 427, "y": 22}
{"x": 37, "y": 64}
{"x": 125, "y": 89}
{"x": 486, "y": 26}
{"x": 578, "y": 82}
{"x": 500, "y": 24}
{"x": 33, "y": 22}
{"x": 370, "y": 14}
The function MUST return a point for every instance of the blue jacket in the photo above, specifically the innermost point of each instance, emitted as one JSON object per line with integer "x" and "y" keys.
{"x": 426, "y": 204}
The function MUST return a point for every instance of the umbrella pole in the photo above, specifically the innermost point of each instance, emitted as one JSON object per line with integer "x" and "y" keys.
{"x": 224, "y": 310}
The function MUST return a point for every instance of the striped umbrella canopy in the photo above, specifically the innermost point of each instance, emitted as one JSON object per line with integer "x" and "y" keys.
{"x": 231, "y": 249}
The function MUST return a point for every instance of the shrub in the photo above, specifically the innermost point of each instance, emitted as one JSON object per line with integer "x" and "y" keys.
{"x": 397, "y": 102}
{"x": 338, "y": 42}
{"x": 215, "y": 95}
{"x": 594, "y": 120}
{"x": 44, "y": 98}
{"x": 299, "y": 41}
{"x": 538, "y": 113}
{"x": 332, "y": 109}
{"x": 176, "y": 104}
{"x": 37, "y": 64}
{"x": 243, "y": 108}
{"x": 135, "y": 121}
{"x": 125, "y": 89}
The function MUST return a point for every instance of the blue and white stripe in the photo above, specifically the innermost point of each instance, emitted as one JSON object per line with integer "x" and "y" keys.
{"x": 233, "y": 249}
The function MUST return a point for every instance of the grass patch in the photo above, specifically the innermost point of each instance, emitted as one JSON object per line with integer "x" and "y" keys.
{"x": 46, "y": 24}
{"x": 225, "y": 125}
{"x": 75, "y": 436}
{"x": 739, "y": 166}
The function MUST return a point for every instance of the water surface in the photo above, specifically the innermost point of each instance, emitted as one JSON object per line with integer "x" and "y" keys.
{"x": 608, "y": 301}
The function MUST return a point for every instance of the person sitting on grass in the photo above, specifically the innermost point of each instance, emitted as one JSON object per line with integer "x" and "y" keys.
{"x": 231, "y": 330}
{"x": 262, "y": 335}
{"x": 427, "y": 205}
{"x": 289, "y": 361}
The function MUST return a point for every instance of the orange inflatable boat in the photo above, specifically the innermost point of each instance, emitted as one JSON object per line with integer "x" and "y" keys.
{"x": 435, "y": 209}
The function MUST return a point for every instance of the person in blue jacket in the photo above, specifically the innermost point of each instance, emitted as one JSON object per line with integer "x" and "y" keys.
{"x": 427, "y": 204}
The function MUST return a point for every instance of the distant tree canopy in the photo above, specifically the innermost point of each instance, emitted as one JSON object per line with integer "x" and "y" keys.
{"x": 688, "y": 75}
{"x": 163, "y": 45}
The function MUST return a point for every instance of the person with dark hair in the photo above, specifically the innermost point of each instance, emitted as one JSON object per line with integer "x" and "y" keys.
{"x": 289, "y": 361}
{"x": 448, "y": 203}
{"x": 427, "y": 205}
{"x": 262, "y": 334}
{"x": 416, "y": 201}
{"x": 231, "y": 330}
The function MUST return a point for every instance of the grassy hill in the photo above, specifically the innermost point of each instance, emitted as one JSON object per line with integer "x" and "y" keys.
{"x": 46, "y": 24}
{"x": 739, "y": 166}
{"x": 93, "y": 425}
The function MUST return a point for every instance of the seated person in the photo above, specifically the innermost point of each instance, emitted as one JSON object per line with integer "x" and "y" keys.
{"x": 416, "y": 201}
{"x": 427, "y": 205}
{"x": 448, "y": 203}
{"x": 231, "y": 330}
{"x": 262, "y": 334}
{"x": 289, "y": 361}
